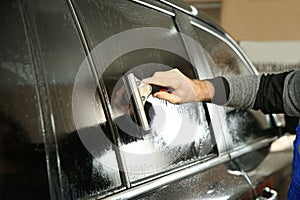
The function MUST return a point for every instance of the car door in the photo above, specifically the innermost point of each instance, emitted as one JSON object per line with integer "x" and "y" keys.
{"x": 248, "y": 134}
{"x": 81, "y": 53}
{"x": 142, "y": 38}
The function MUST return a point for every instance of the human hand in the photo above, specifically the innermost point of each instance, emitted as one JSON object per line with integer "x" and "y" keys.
{"x": 183, "y": 88}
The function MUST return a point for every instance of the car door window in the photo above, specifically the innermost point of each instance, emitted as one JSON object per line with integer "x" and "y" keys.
{"x": 23, "y": 173}
{"x": 60, "y": 55}
{"x": 179, "y": 134}
{"x": 243, "y": 126}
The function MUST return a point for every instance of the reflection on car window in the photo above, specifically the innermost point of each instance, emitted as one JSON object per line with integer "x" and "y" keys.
{"x": 243, "y": 126}
{"x": 23, "y": 173}
{"x": 158, "y": 150}
{"x": 79, "y": 146}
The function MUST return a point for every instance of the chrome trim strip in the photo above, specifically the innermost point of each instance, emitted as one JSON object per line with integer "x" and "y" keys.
{"x": 231, "y": 43}
{"x": 154, "y": 7}
{"x": 160, "y": 182}
{"x": 180, "y": 8}
{"x": 252, "y": 147}
{"x": 194, "y": 10}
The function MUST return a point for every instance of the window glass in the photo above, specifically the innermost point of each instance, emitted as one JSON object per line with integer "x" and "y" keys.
{"x": 78, "y": 117}
{"x": 179, "y": 134}
{"x": 23, "y": 173}
{"x": 244, "y": 126}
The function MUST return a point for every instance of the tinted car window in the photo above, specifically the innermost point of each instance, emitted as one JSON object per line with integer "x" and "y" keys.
{"x": 244, "y": 126}
{"x": 179, "y": 134}
{"x": 23, "y": 172}
{"x": 79, "y": 145}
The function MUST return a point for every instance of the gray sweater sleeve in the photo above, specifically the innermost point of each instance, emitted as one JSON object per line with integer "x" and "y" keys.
{"x": 259, "y": 92}
{"x": 291, "y": 94}
{"x": 242, "y": 91}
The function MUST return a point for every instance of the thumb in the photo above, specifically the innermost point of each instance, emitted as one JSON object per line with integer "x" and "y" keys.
{"x": 172, "y": 98}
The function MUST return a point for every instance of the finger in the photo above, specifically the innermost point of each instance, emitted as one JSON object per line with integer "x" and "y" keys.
{"x": 172, "y": 98}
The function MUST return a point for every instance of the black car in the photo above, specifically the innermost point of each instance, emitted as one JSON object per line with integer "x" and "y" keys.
{"x": 69, "y": 128}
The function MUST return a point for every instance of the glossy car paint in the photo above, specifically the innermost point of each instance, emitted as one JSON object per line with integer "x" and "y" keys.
{"x": 39, "y": 63}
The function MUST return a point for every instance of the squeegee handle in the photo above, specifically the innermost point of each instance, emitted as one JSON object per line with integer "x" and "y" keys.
{"x": 156, "y": 88}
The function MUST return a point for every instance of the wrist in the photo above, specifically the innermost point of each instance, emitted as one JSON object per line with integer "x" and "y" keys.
{"x": 204, "y": 90}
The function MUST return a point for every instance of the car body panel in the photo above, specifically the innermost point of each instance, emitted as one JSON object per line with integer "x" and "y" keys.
{"x": 52, "y": 64}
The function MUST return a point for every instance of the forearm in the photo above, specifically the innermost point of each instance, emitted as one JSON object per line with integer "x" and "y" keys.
{"x": 235, "y": 91}
{"x": 243, "y": 91}
{"x": 215, "y": 90}
{"x": 276, "y": 93}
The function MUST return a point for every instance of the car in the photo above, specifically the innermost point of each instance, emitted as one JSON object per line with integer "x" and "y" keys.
{"x": 71, "y": 129}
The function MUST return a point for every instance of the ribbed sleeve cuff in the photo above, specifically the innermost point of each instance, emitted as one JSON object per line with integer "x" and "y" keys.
{"x": 221, "y": 86}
